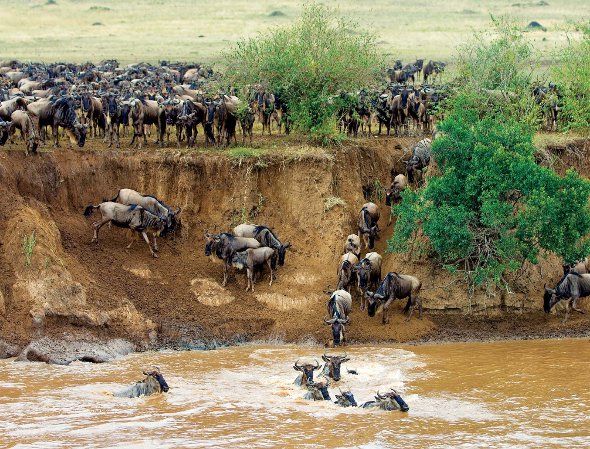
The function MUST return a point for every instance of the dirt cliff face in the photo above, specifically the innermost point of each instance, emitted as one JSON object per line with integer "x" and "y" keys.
{"x": 100, "y": 292}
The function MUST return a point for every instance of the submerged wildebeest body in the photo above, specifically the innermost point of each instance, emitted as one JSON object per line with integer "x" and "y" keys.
{"x": 571, "y": 287}
{"x": 353, "y": 245}
{"x": 420, "y": 159}
{"x": 25, "y": 121}
{"x": 389, "y": 401}
{"x": 153, "y": 383}
{"x": 253, "y": 258}
{"x": 317, "y": 391}
{"x": 368, "y": 272}
{"x": 151, "y": 203}
{"x": 225, "y": 245}
{"x": 306, "y": 370}
{"x": 133, "y": 217}
{"x": 345, "y": 399}
{"x": 339, "y": 307}
{"x": 266, "y": 238}
{"x": 395, "y": 286}
{"x": 332, "y": 365}
{"x": 367, "y": 224}
{"x": 346, "y": 274}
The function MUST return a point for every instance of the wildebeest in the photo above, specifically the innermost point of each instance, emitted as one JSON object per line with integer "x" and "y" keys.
{"x": 25, "y": 121}
{"x": 92, "y": 113}
{"x": 134, "y": 217}
{"x": 247, "y": 121}
{"x": 367, "y": 224}
{"x": 265, "y": 236}
{"x": 225, "y": 245}
{"x": 7, "y": 107}
{"x": 5, "y": 130}
{"x": 332, "y": 365}
{"x": 153, "y": 383}
{"x": 147, "y": 112}
{"x": 56, "y": 112}
{"x": 571, "y": 287}
{"x": 388, "y": 401}
{"x": 395, "y": 286}
{"x": 353, "y": 245}
{"x": 151, "y": 203}
{"x": 306, "y": 370}
{"x": 346, "y": 275}
{"x": 368, "y": 272}
{"x": 317, "y": 391}
{"x": 581, "y": 267}
{"x": 433, "y": 68}
{"x": 339, "y": 306}
{"x": 266, "y": 107}
{"x": 345, "y": 399}
{"x": 114, "y": 117}
{"x": 393, "y": 194}
{"x": 253, "y": 258}
{"x": 419, "y": 160}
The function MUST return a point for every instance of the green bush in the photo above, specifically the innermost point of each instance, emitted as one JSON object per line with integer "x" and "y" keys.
{"x": 308, "y": 64}
{"x": 492, "y": 207}
{"x": 572, "y": 75}
{"x": 495, "y": 68}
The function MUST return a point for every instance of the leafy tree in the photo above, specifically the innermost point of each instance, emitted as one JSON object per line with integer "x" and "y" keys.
{"x": 572, "y": 75}
{"x": 492, "y": 207}
{"x": 308, "y": 64}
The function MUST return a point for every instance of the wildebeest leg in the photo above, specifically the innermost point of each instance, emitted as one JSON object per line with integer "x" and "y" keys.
{"x": 574, "y": 302}
{"x": 225, "y": 269}
{"x": 155, "y": 243}
{"x": 96, "y": 227}
{"x": 567, "y": 307}
{"x": 386, "y": 309}
{"x": 271, "y": 271}
{"x": 147, "y": 240}
{"x": 130, "y": 242}
{"x": 250, "y": 277}
{"x": 54, "y": 130}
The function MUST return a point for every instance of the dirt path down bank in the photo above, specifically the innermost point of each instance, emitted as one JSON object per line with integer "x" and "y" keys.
{"x": 73, "y": 290}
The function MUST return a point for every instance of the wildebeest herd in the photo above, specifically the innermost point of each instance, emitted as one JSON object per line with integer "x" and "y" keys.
{"x": 105, "y": 101}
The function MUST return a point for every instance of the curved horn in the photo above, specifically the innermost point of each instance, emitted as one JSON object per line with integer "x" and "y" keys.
{"x": 379, "y": 395}
{"x": 296, "y": 366}
{"x": 329, "y": 321}
{"x": 317, "y": 365}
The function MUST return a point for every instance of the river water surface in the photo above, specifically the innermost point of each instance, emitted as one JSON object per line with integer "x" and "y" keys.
{"x": 525, "y": 394}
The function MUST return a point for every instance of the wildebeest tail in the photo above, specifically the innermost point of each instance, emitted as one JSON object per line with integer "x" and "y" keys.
{"x": 114, "y": 200}
{"x": 89, "y": 209}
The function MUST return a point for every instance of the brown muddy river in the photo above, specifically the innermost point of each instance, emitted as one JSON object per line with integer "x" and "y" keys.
{"x": 529, "y": 394}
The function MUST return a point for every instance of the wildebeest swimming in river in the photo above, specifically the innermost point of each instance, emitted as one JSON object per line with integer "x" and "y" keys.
{"x": 306, "y": 370}
{"x": 153, "y": 383}
{"x": 570, "y": 287}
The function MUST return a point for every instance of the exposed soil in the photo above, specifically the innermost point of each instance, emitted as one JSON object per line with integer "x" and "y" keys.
{"x": 100, "y": 292}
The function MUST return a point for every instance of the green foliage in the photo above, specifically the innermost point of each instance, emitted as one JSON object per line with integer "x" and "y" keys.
{"x": 308, "y": 64}
{"x": 29, "y": 243}
{"x": 572, "y": 76}
{"x": 496, "y": 70}
{"x": 492, "y": 207}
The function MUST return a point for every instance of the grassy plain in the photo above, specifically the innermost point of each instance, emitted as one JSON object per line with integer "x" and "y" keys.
{"x": 185, "y": 30}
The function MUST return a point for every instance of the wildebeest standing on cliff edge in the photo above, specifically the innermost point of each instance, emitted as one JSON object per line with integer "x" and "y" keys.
{"x": 133, "y": 217}
{"x": 396, "y": 286}
{"x": 570, "y": 287}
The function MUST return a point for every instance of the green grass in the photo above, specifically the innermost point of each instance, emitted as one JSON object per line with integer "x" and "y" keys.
{"x": 152, "y": 30}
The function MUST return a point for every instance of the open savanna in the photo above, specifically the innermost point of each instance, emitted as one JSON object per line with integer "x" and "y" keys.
{"x": 152, "y": 30}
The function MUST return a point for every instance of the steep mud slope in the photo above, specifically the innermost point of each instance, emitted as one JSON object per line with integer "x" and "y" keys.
{"x": 100, "y": 292}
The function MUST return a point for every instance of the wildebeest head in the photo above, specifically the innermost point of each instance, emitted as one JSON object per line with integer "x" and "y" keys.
{"x": 345, "y": 399}
{"x": 211, "y": 242}
{"x": 77, "y": 134}
{"x": 125, "y": 110}
{"x": 307, "y": 370}
{"x": 156, "y": 374}
{"x": 391, "y": 401}
{"x": 171, "y": 110}
{"x": 4, "y": 131}
{"x": 112, "y": 106}
{"x": 86, "y": 102}
{"x": 282, "y": 251}
{"x": 404, "y": 94}
{"x": 320, "y": 387}
{"x": 337, "y": 328}
{"x": 211, "y": 108}
{"x": 373, "y": 299}
{"x": 549, "y": 299}
{"x": 363, "y": 271}
{"x": 333, "y": 363}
